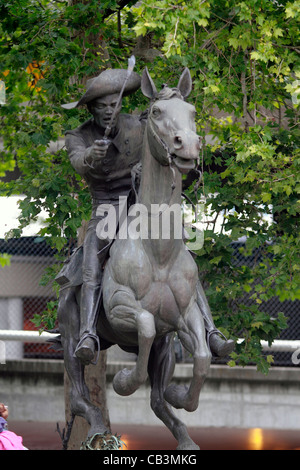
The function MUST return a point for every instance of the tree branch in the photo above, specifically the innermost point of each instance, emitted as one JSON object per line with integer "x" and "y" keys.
{"x": 121, "y": 4}
{"x": 244, "y": 92}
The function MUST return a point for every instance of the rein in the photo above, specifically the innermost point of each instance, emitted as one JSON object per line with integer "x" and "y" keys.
{"x": 164, "y": 157}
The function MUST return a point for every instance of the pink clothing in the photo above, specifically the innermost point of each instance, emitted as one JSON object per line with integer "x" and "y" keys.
{"x": 10, "y": 441}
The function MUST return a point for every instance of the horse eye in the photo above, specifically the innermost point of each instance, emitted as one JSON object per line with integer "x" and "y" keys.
{"x": 156, "y": 112}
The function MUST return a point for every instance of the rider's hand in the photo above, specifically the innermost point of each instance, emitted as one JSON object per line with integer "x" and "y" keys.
{"x": 97, "y": 151}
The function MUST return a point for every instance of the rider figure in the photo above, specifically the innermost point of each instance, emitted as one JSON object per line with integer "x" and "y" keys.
{"x": 106, "y": 168}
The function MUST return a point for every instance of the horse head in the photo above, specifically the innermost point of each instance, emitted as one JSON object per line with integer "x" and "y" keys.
{"x": 171, "y": 129}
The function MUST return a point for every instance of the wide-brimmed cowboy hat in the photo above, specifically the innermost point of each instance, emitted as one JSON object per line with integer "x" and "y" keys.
{"x": 107, "y": 83}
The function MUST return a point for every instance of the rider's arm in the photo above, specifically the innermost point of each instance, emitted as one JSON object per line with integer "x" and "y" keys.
{"x": 78, "y": 152}
{"x": 84, "y": 158}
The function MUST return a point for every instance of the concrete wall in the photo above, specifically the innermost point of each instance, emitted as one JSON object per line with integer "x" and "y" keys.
{"x": 239, "y": 398}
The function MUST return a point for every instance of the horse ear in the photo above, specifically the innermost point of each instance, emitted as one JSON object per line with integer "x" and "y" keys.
{"x": 185, "y": 83}
{"x": 147, "y": 86}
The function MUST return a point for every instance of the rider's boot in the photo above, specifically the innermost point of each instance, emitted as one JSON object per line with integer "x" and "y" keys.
{"x": 89, "y": 342}
{"x": 218, "y": 344}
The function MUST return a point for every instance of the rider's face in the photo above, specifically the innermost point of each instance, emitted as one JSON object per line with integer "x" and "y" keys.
{"x": 103, "y": 108}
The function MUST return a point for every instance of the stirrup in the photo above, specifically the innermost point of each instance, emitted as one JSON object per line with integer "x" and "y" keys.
{"x": 226, "y": 349}
{"x": 95, "y": 338}
{"x": 214, "y": 332}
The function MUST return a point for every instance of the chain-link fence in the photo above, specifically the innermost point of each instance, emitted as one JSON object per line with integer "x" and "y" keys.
{"x": 22, "y": 297}
{"x": 290, "y": 309}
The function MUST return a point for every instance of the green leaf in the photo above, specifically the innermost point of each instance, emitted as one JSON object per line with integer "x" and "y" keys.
{"x": 216, "y": 260}
{"x": 5, "y": 259}
{"x": 231, "y": 363}
{"x": 266, "y": 197}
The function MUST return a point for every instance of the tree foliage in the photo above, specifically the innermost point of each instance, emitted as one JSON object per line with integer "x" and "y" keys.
{"x": 244, "y": 61}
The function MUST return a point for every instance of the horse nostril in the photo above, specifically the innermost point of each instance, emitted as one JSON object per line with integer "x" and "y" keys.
{"x": 177, "y": 142}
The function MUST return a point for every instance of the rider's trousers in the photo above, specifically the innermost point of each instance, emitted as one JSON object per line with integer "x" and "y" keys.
{"x": 94, "y": 255}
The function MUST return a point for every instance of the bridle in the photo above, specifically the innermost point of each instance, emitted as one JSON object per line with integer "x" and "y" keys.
{"x": 160, "y": 149}
{"x": 162, "y": 154}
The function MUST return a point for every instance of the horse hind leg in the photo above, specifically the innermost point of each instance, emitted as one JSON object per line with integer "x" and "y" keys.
{"x": 80, "y": 404}
{"x": 161, "y": 369}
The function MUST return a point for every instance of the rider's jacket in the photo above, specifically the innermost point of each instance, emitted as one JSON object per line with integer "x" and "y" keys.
{"x": 111, "y": 176}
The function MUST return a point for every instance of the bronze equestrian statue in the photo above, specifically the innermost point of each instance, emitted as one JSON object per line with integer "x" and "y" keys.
{"x": 149, "y": 289}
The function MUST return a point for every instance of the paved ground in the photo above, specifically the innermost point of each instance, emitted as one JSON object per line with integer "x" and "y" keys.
{"x": 43, "y": 436}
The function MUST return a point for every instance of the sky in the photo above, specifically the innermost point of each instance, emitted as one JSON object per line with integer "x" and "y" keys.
{"x": 8, "y": 217}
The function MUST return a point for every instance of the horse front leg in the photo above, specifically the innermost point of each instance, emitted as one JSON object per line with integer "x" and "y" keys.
{"x": 192, "y": 335}
{"x": 129, "y": 319}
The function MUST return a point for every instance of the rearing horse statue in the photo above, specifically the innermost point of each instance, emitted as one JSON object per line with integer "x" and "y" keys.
{"x": 150, "y": 284}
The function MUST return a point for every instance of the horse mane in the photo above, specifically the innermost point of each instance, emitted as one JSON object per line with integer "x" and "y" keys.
{"x": 167, "y": 93}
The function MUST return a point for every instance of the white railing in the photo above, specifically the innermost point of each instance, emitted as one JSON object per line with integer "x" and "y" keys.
{"x": 283, "y": 345}
{"x": 25, "y": 336}
{"x": 36, "y": 337}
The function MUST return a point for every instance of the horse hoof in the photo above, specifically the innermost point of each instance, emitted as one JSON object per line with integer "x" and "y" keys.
{"x": 188, "y": 446}
{"x": 123, "y": 383}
